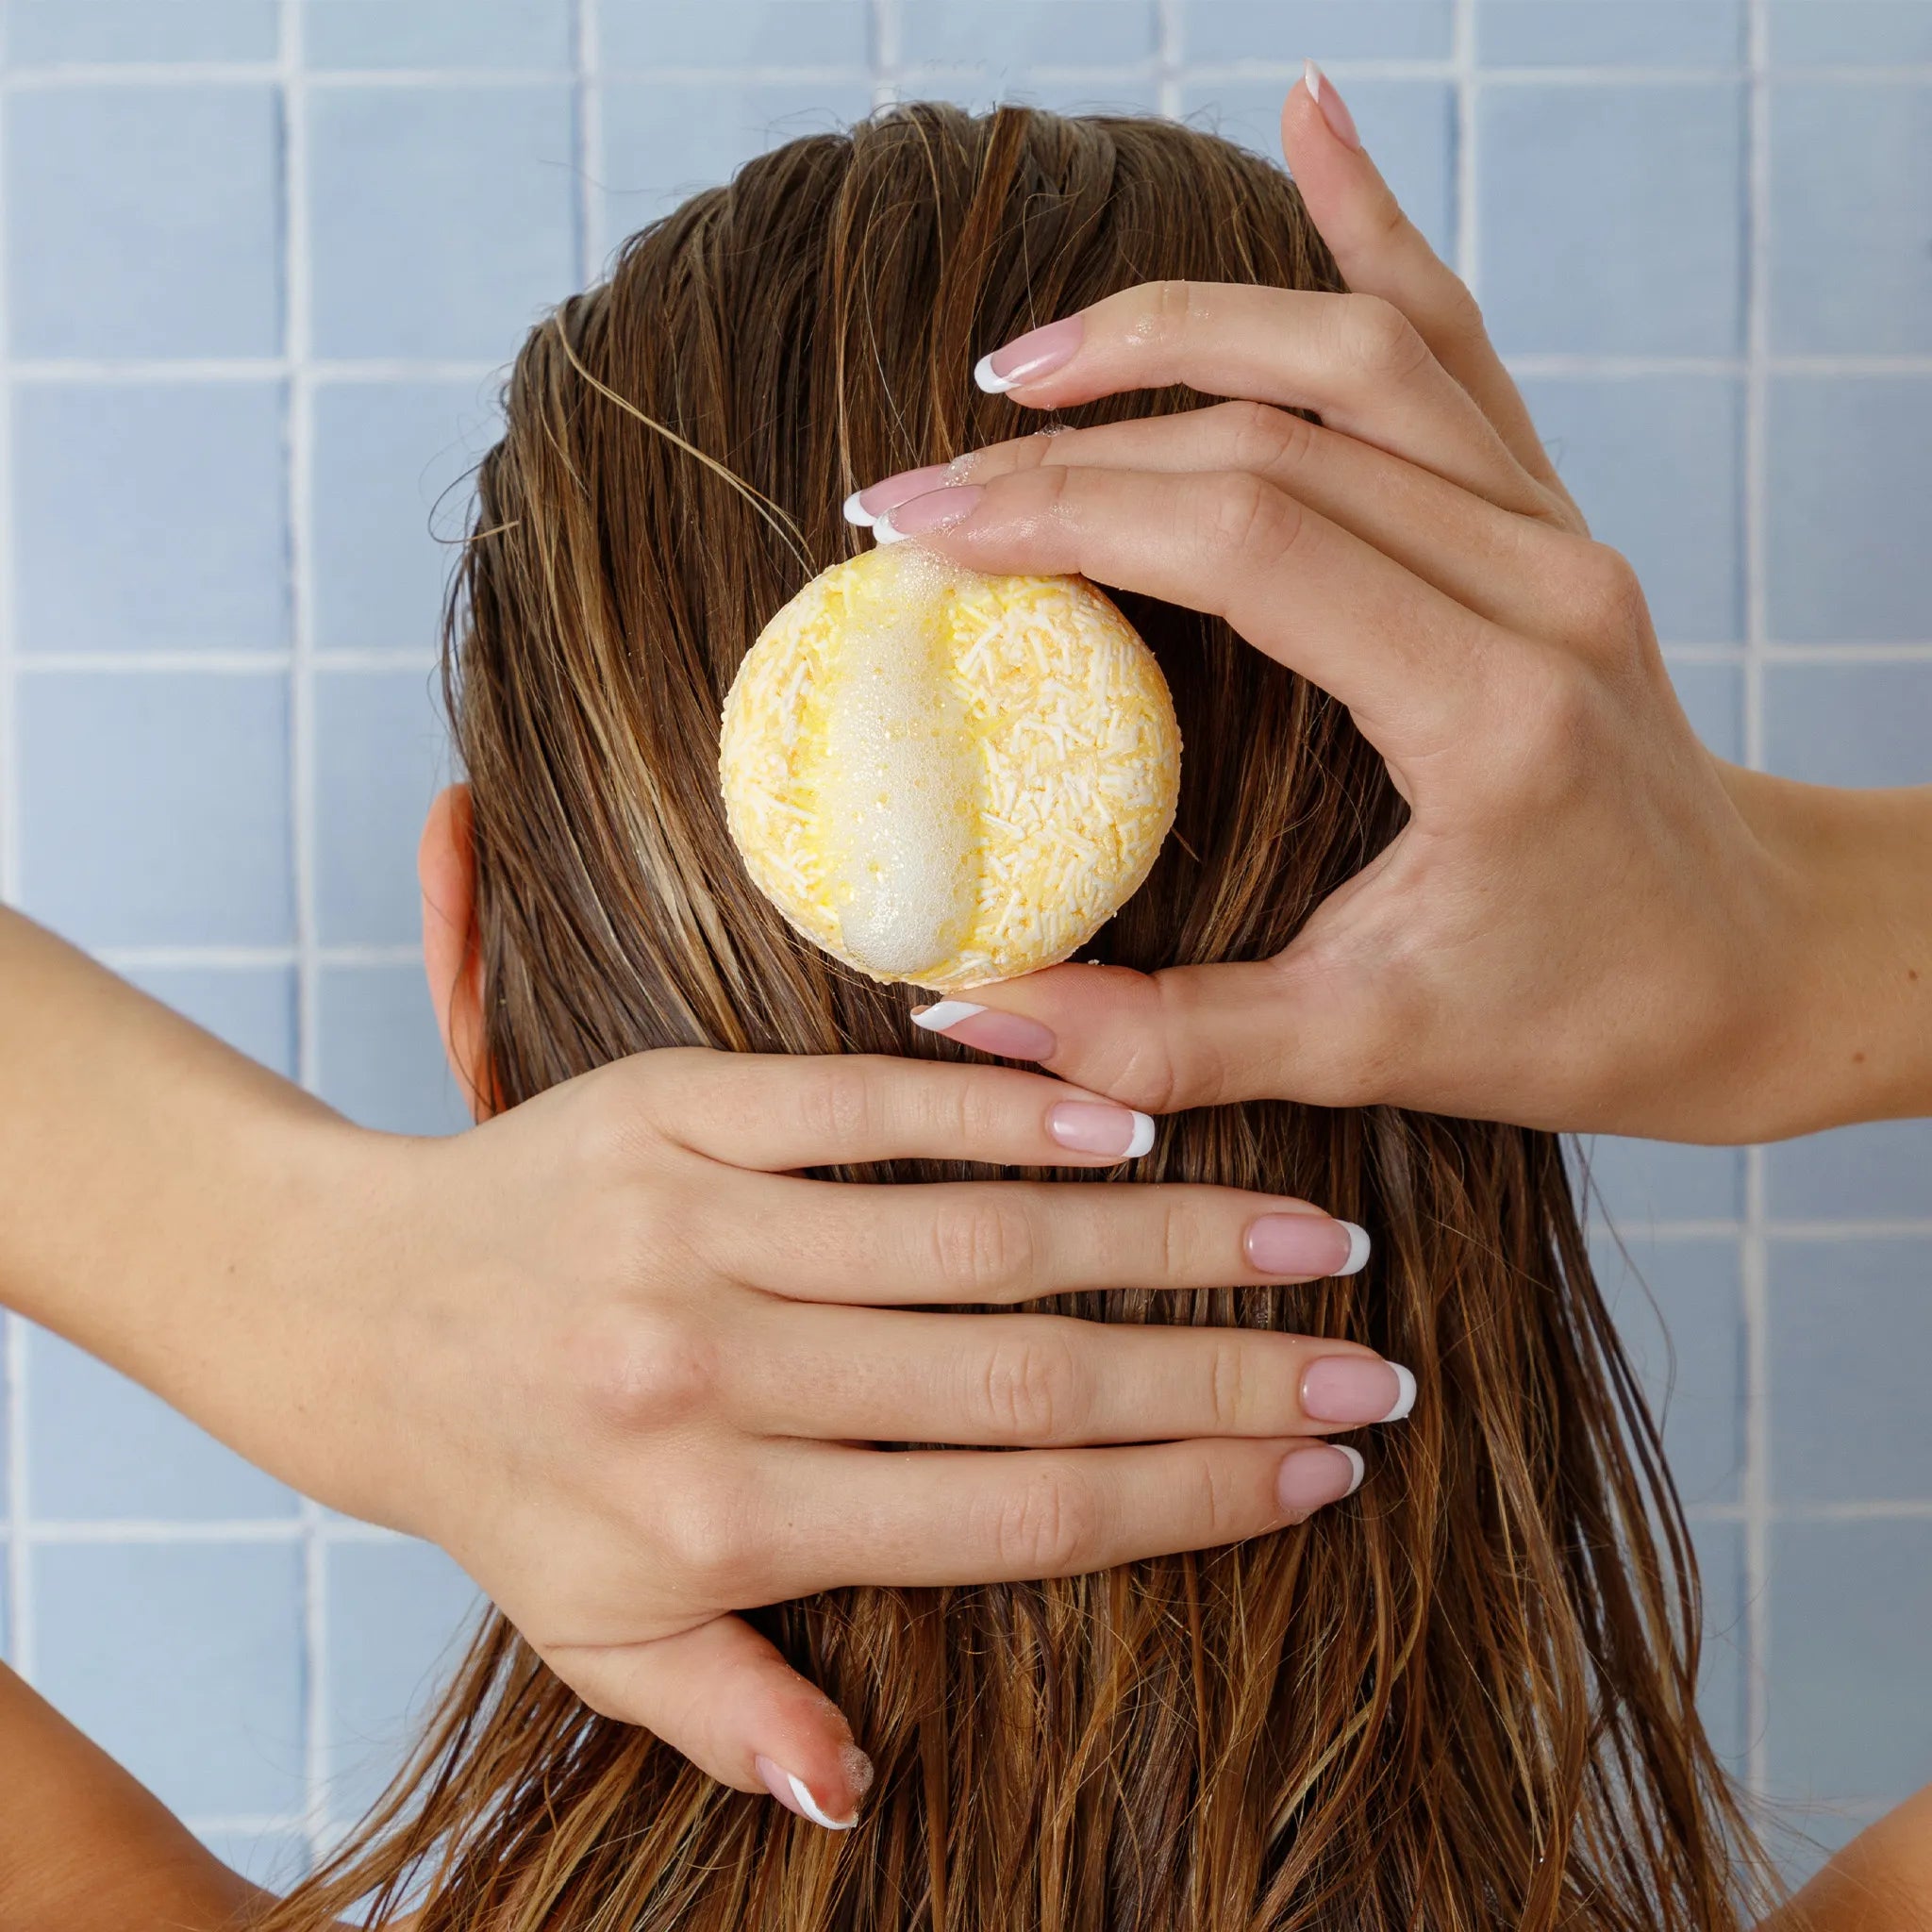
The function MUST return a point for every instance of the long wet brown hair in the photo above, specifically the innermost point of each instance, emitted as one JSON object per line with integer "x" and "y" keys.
{"x": 1462, "y": 1699}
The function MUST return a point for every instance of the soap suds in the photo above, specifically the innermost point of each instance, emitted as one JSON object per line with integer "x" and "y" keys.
{"x": 899, "y": 788}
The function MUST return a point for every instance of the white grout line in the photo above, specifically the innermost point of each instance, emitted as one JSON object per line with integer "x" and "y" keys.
{"x": 253, "y": 959}
{"x": 1169, "y": 50}
{"x": 1468, "y": 238}
{"x": 17, "y": 1624}
{"x": 586, "y": 48}
{"x": 886, "y": 42}
{"x": 1753, "y": 1257}
{"x": 294, "y": 1527}
{"x": 296, "y": 346}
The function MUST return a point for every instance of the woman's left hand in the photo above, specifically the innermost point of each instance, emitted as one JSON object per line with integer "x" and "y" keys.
{"x": 1589, "y": 922}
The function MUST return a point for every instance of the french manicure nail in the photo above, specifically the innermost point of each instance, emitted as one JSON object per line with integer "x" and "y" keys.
{"x": 1010, "y": 1035}
{"x": 918, "y": 515}
{"x": 795, "y": 1795}
{"x": 1028, "y": 358}
{"x": 1310, "y": 1245}
{"x": 1334, "y": 108}
{"x": 1357, "y": 1389}
{"x": 1097, "y": 1127}
{"x": 1307, "y": 1478}
{"x": 864, "y": 507}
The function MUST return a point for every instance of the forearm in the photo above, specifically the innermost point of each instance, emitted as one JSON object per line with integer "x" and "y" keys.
{"x": 1881, "y": 1882}
{"x": 1854, "y": 1039}
{"x": 160, "y": 1190}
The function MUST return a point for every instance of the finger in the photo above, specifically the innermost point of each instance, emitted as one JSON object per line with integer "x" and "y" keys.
{"x": 1490, "y": 560}
{"x": 1381, "y": 251}
{"x": 1015, "y": 1516}
{"x": 1205, "y": 1036}
{"x": 722, "y": 1694}
{"x": 1007, "y": 1242}
{"x": 1411, "y": 663}
{"x": 775, "y": 1111}
{"x": 1040, "y": 1381}
{"x": 1357, "y": 358}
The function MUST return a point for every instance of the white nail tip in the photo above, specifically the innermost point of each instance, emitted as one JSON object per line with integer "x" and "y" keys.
{"x": 1312, "y": 79}
{"x": 983, "y": 374}
{"x": 1357, "y": 1251}
{"x": 808, "y": 1805}
{"x": 883, "y": 532}
{"x": 1404, "y": 1401}
{"x": 936, "y": 1019}
{"x": 856, "y": 512}
{"x": 1142, "y": 1141}
{"x": 1355, "y": 1462}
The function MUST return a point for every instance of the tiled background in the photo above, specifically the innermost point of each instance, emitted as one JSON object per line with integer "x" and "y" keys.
{"x": 262, "y": 261}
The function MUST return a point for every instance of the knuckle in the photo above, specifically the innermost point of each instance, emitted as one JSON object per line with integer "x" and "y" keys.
{"x": 1604, "y": 602}
{"x": 1223, "y": 1503}
{"x": 1230, "y": 1385}
{"x": 1241, "y": 516}
{"x": 1170, "y": 310}
{"x": 1048, "y": 1524}
{"x": 1032, "y": 1387}
{"x": 1380, "y": 341}
{"x": 657, "y": 1371}
{"x": 985, "y": 1250}
{"x": 707, "y": 1540}
{"x": 1265, "y": 440}
{"x": 838, "y": 1103}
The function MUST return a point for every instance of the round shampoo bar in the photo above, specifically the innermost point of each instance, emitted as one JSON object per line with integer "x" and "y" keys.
{"x": 946, "y": 778}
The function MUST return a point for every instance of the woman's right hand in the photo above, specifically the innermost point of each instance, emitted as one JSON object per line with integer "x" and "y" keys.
{"x": 632, "y": 1375}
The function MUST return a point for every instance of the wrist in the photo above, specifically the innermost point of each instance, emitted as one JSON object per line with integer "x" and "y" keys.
{"x": 1851, "y": 1035}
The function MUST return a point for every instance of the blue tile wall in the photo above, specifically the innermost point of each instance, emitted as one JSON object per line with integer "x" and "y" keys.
{"x": 141, "y": 220}
{"x": 1846, "y": 560}
{"x": 1656, "y": 462}
{"x": 154, "y": 809}
{"x": 1609, "y": 217}
{"x": 441, "y": 219}
{"x": 259, "y": 297}
{"x": 159, "y": 519}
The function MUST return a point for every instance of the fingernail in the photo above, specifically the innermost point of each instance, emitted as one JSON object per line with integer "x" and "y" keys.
{"x": 1357, "y": 1389}
{"x": 794, "y": 1795}
{"x": 1334, "y": 108}
{"x": 1308, "y": 1244}
{"x": 1311, "y": 1478}
{"x": 1095, "y": 1126}
{"x": 932, "y": 511}
{"x": 865, "y": 506}
{"x": 1028, "y": 358}
{"x": 1008, "y": 1035}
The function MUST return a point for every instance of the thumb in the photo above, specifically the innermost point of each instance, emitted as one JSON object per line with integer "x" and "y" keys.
{"x": 1188, "y": 1036}
{"x": 722, "y": 1694}
{"x": 1381, "y": 251}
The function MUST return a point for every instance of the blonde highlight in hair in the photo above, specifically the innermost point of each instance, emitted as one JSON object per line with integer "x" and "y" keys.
{"x": 1463, "y": 1699}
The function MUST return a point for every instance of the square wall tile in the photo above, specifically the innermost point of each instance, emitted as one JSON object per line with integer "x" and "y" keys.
{"x": 1855, "y": 33}
{"x": 1410, "y": 126}
{"x": 1656, "y": 463}
{"x": 183, "y": 1661}
{"x": 155, "y": 807}
{"x": 665, "y": 140}
{"x": 1851, "y": 1332}
{"x": 520, "y": 34}
{"x": 1849, "y": 723}
{"x": 48, "y": 33}
{"x": 440, "y": 217}
{"x": 741, "y": 33}
{"x": 392, "y": 501}
{"x": 1641, "y": 1182}
{"x": 1851, "y": 198}
{"x": 1850, "y": 1704}
{"x": 397, "y": 1616}
{"x": 1215, "y": 33}
{"x": 103, "y": 1449}
{"x": 252, "y": 1008}
{"x": 1882, "y": 1171}
{"x": 143, "y": 221}
{"x": 1046, "y": 33}
{"x": 1679, "y": 1308}
{"x": 381, "y": 753}
{"x": 1609, "y": 33}
{"x": 1612, "y": 216}
{"x": 1725, "y": 1673}
{"x": 155, "y": 516}
{"x": 1848, "y": 469}
{"x": 382, "y": 1061}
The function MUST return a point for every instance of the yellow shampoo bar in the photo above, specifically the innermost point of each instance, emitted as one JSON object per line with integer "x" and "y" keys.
{"x": 945, "y": 777}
